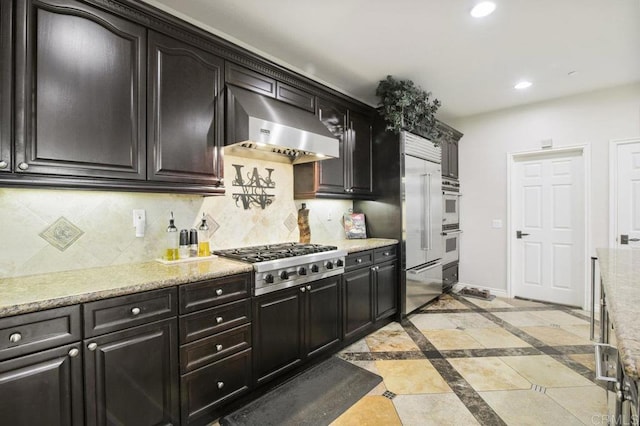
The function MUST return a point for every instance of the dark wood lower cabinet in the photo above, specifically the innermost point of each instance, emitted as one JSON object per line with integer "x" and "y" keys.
{"x": 358, "y": 297}
{"x": 131, "y": 376}
{"x": 386, "y": 283}
{"x": 278, "y": 320}
{"x": 213, "y": 385}
{"x": 43, "y": 388}
{"x": 295, "y": 324}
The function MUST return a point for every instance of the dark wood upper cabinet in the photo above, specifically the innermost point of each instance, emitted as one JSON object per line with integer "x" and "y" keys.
{"x": 80, "y": 91}
{"x": 185, "y": 126}
{"x": 449, "y": 138}
{"x": 6, "y": 84}
{"x": 250, "y": 80}
{"x": 359, "y": 156}
{"x": 331, "y": 174}
{"x": 295, "y": 97}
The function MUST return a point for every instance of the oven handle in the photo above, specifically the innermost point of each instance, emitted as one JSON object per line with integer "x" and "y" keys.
{"x": 457, "y": 194}
{"x": 451, "y": 232}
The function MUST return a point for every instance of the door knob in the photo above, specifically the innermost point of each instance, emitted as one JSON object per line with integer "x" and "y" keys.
{"x": 624, "y": 239}
{"x": 520, "y": 234}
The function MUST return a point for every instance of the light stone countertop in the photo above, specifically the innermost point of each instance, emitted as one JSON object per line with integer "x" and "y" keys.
{"x": 38, "y": 292}
{"x": 620, "y": 272}
{"x": 32, "y": 293}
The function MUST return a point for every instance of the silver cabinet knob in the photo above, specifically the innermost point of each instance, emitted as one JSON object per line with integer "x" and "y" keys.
{"x": 219, "y": 292}
{"x": 220, "y": 385}
{"x": 92, "y": 346}
{"x": 309, "y": 287}
{"x": 302, "y": 289}
{"x": 218, "y": 347}
{"x": 135, "y": 311}
{"x": 3, "y": 164}
{"x": 15, "y": 337}
{"x": 219, "y": 320}
{"x": 74, "y": 353}
{"x": 23, "y": 166}
{"x": 386, "y": 253}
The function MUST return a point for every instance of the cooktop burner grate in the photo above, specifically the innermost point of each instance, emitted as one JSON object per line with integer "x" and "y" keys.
{"x": 263, "y": 253}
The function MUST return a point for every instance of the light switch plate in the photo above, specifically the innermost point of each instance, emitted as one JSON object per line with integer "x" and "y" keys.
{"x": 496, "y": 223}
{"x": 139, "y": 219}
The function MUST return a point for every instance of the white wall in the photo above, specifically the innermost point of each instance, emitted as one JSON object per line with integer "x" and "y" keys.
{"x": 589, "y": 119}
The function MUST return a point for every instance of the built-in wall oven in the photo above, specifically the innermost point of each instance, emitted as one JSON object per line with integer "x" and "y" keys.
{"x": 451, "y": 210}
{"x": 451, "y": 245}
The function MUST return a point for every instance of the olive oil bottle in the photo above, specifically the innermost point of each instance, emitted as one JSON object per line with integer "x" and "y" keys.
{"x": 172, "y": 241}
{"x": 203, "y": 241}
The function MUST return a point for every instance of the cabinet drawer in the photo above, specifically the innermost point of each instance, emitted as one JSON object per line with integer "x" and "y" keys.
{"x": 197, "y": 354}
{"x": 214, "y": 320}
{"x": 206, "y": 388}
{"x": 205, "y": 294}
{"x": 385, "y": 253}
{"x": 117, "y": 313}
{"x": 358, "y": 260}
{"x": 27, "y": 333}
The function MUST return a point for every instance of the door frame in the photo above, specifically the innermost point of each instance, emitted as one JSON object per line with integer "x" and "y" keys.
{"x": 613, "y": 186}
{"x": 585, "y": 152}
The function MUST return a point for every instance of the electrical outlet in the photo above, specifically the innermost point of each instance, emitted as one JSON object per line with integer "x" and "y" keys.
{"x": 139, "y": 221}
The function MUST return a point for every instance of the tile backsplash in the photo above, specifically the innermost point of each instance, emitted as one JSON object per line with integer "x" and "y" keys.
{"x": 47, "y": 230}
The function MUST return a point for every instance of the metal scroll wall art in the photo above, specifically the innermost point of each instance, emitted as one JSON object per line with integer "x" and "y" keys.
{"x": 254, "y": 188}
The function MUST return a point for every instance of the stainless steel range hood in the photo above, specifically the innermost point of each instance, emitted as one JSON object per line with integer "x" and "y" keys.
{"x": 264, "y": 128}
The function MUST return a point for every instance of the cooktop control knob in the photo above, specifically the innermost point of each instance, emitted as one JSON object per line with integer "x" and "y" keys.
{"x": 328, "y": 264}
{"x": 284, "y": 275}
{"x": 268, "y": 279}
{"x": 314, "y": 268}
{"x": 339, "y": 263}
{"x": 302, "y": 271}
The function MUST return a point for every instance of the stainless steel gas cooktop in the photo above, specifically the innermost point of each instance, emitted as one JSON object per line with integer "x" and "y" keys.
{"x": 278, "y": 266}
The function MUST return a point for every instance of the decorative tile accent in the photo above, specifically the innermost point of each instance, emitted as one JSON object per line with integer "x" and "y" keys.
{"x": 213, "y": 225}
{"x": 389, "y": 394}
{"x": 61, "y": 234}
{"x": 291, "y": 222}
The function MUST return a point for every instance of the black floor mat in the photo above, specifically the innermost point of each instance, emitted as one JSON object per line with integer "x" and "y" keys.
{"x": 316, "y": 397}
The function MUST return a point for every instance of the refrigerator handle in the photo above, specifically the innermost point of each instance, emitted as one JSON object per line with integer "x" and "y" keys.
{"x": 425, "y": 243}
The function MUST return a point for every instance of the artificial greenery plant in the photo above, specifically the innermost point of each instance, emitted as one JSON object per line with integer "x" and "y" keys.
{"x": 406, "y": 106}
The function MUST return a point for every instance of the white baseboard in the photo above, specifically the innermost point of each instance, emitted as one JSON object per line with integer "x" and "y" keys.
{"x": 494, "y": 291}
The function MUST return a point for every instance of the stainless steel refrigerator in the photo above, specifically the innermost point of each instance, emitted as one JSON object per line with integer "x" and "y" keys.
{"x": 422, "y": 220}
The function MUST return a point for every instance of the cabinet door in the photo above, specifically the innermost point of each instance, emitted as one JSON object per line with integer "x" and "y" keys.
{"x": 444, "y": 149}
{"x": 453, "y": 159}
{"x": 184, "y": 127}
{"x": 323, "y": 317}
{"x": 43, "y": 388}
{"x": 358, "y": 157}
{"x": 331, "y": 173}
{"x": 278, "y": 333}
{"x": 80, "y": 91}
{"x": 358, "y": 298}
{"x": 6, "y": 85}
{"x": 386, "y": 279}
{"x": 131, "y": 376}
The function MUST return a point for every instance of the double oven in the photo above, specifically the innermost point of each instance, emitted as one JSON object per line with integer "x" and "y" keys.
{"x": 451, "y": 232}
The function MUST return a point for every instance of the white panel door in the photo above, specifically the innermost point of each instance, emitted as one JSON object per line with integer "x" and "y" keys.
{"x": 548, "y": 208}
{"x": 627, "y": 194}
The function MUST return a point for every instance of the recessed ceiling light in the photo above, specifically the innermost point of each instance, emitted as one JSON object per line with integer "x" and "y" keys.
{"x": 523, "y": 85}
{"x": 483, "y": 9}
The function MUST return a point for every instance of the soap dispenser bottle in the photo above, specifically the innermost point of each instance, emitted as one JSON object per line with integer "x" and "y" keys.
{"x": 203, "y": 244}
{"x": 172, "y": 241}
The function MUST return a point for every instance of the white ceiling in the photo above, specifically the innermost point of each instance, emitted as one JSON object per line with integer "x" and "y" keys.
{"x": 471, "y": 65}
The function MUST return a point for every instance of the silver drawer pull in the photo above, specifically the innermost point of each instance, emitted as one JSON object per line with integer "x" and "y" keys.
{"x": 219, "y": 320}
{"x": 3, "y": 164}
{"x": 135, "y": 311}
{"x": 23, "y": 166}
{"x": 386, "y": 253}
{"x": 218, "y": 347}
{"x": 219, "y": 292}
{"x": 15, "y": 337}
{"x": 358, "y": 260}
{"x": 220, "y": 385}
{"x": 602, "y": 350}
{"x": 302, "y": 289}
{"x": 309, "y": 287}
{"x": 73, "y": 352}
{"x": 92, "y": 346}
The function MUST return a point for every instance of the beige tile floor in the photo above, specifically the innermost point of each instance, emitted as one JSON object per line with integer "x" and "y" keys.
{"x": 464, "y": 361}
